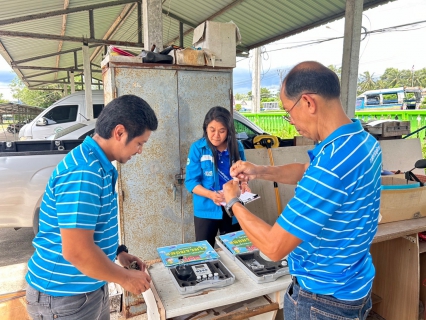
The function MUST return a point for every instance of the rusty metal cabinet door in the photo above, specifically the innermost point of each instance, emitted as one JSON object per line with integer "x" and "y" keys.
{"x": 155, "y": 208}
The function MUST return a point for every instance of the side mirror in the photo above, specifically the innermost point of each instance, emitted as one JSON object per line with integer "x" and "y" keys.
{"x": 41, "y": 122}
{"x": 420, "y": 164}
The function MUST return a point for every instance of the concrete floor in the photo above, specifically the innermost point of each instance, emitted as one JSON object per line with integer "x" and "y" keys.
{"x": 15, "y": 251}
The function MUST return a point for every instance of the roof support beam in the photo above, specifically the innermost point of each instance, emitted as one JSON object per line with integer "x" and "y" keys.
{"x": 64, "y": 11}
{"x": 6, "y": 53}
{"x": 350, "y": 60}
{"x": 67, "y": 38}
{"x": 128, "y": 9}
{"x": 60, "y": 81}
{"x": 91, "y": 24}
{"x": 53, "y": 54}
{"x": 63, "y": 27}
{"x": 152, "y": 24}
{"x": 52, "y": 69}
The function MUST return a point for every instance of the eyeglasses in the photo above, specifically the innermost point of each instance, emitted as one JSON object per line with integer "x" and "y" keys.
{"x": 288, "y": 118}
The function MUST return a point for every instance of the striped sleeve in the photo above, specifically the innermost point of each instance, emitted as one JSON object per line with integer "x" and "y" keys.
{"x": 78, "y": 201}
{"x": 318, "y": 195}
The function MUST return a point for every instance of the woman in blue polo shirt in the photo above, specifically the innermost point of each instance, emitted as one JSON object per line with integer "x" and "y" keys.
{"x": 207, "y": 170}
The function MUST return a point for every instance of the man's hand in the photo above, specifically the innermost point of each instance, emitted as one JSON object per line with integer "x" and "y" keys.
{"x": 244, "y": 170}
{"x": 231, "y": 189}
{"x": 244, "y": 187}
{"x": 136, "y": 281}
{"x": 126, "y": 259}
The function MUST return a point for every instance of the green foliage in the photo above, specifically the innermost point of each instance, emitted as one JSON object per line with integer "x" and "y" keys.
{"x": 40, "y": 98}
{"x": 337, "y": 71}
{"x": 238, "y": 107}
{"x": 2, "y": 100}
{"x": 239, "y": 96}
{"x": 391, "y": 78}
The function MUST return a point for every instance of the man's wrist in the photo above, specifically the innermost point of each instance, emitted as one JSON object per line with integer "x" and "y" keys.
{"x": 122, "y": 248}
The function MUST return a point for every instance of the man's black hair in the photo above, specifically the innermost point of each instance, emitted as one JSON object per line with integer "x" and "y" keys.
{"x": 222, "y": 115}
{"x": 132, "y": 112}
{"x": 311, "y": 76}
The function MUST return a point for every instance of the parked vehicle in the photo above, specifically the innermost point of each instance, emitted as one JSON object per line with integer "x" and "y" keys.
{"x": 26, "y": 166}
{"x": 62, "y": 114}
{"x": 15, "y": 127}
{"x": 270, "y": 106}
{"x": 404, "y": 98}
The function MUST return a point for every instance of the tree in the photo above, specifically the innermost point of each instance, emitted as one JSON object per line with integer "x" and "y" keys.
{"x": 393, "y": 78}
{"x": 264, "y": 94}
{"x": 337, "y": 71}
{"x": 366, "y": 82}
{"x": 2, "y": 100}
{"x": 41, "y": 98}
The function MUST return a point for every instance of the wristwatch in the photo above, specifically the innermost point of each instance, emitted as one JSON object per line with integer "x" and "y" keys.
{"x": 122, "y": 248}
{"x": 228, "y": 206}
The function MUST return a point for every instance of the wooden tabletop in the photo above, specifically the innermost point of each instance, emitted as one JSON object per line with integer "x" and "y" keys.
{"x": 242, "y": 289}
{"x": 392, "y": 230}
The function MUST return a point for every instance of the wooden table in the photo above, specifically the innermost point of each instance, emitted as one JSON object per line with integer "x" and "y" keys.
{"x": 397, "y": 256}
{"x": 244, "y": 288}
{"x": 400, "y": 262}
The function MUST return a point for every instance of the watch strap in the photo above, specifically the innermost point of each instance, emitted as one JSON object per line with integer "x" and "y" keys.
{"x": 228, "y": 206}
{"x": 122, "y": 248}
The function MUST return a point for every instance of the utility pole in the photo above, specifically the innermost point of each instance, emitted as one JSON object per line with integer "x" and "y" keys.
{"x": 255, "y": 84}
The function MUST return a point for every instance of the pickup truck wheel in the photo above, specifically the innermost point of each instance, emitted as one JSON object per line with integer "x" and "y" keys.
{"x": 35, "y": 221}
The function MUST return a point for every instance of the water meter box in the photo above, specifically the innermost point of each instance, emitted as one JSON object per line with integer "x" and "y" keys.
{"x": 239, "y": 248}
{"x": 195, "y": 266}
{"x": 200, "y": 276}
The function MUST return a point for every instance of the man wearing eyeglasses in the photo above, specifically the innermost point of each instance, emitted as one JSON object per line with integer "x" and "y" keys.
{"x": 327, "y": 228}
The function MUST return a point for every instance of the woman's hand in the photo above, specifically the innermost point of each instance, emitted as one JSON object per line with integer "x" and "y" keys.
{"x": 217, "y": 197}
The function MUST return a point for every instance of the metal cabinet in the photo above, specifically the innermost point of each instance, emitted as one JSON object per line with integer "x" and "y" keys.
{"x": 155, "y": 208}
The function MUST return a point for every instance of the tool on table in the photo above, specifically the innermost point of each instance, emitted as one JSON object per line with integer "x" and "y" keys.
{"x": 268, "y": 142}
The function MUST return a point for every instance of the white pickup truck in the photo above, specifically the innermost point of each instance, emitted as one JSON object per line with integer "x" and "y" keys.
{"x": 26, "y": 166}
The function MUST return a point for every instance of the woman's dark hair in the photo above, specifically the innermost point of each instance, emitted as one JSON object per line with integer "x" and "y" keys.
{"x": 132, "y": 112}
{"x": 222, "y": 115}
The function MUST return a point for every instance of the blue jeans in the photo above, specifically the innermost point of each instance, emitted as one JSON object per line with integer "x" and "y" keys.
{"x": 86, "y": 306}
{"x": 300, "y": 304}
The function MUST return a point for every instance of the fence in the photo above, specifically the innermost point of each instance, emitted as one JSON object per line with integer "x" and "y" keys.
{"x": 273, "y": 122}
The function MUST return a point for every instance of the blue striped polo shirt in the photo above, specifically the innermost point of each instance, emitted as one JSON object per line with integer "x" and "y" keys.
{"x": 80, "y": 194}
{"x": 335, "y": 213}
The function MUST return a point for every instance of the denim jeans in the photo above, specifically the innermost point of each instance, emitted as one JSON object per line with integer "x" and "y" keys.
{"x": 86, "y": 306}
{"x": 300, "y": 304}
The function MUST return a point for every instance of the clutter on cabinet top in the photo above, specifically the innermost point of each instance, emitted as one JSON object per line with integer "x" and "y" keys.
{"x": 219, "y": 41}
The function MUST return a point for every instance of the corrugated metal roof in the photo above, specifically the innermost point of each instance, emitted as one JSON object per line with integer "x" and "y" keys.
{"x": 260, "y": 22}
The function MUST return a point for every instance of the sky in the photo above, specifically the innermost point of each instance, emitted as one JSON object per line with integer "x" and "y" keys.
{"x": 397, "y": 49}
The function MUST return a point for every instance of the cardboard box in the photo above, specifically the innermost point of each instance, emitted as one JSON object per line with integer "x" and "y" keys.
{"x": 189, "y": 57}
{"x": 219, "y": 41}
{"x": 389, "y": 128}
{"x": 303, "y": 141}
{"x": 405, "y": 201}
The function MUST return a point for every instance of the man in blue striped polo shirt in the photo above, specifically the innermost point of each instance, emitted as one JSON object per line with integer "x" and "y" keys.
{"x": 77, "y": 241}
{"x": 327, "y": 228}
